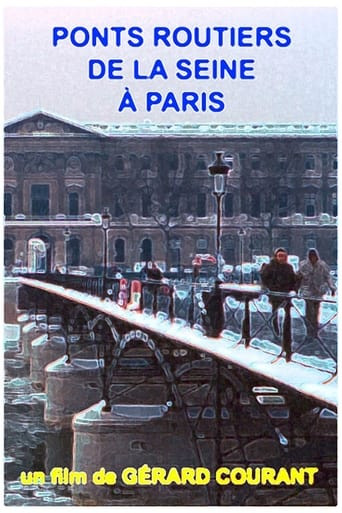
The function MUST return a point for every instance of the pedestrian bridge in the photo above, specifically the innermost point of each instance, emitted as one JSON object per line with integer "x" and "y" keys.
{"x": 154, "y": 311}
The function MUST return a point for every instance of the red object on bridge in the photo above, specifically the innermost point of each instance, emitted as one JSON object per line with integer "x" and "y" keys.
{"x": 123, "y": 293}
{"x": 134, "y": 303}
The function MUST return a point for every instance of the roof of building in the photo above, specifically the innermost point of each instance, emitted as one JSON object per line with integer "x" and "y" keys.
{"x": 148, "y": 128}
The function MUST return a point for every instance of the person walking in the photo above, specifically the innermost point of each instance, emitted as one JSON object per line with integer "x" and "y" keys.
{"x": 279, "y": 276}
{"x": 315, "y": 282}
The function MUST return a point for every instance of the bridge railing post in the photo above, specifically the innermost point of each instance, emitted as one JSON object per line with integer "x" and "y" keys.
{"x": 171, "y": 304}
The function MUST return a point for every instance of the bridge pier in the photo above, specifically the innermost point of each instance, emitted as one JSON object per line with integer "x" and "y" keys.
{"x": 132, "y": 436}
{"x": 70, "y": 388}
{"x": 29, "y": 332}
{"x": 44, "y": 351}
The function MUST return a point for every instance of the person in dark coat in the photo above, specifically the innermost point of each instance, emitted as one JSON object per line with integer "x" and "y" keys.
{"x": 151, "y": 271}
{"x": 279, "y": 276}
{"x": 213, "y": 315}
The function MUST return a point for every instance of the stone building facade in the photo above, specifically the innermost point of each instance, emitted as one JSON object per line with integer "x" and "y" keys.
{"x": 154, "y": 178}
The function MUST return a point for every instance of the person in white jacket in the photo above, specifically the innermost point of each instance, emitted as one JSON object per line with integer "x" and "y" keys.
{"x": 315, "y": 282}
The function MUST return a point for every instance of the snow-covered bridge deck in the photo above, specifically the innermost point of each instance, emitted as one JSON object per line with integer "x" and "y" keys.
{"x": 314, "y": 383}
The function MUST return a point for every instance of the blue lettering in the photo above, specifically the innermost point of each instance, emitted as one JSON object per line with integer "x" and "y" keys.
{"x": 280, "y": 33}
{"x": 59, "y": 33}
{"x": 152, "y": 98}
{"x": 96, "y": 63}
{"x": 85, "y": 37}
{"x": 244, "y": 69}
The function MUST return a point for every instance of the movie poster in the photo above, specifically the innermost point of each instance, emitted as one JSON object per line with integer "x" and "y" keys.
{"x": 170, "y": 255}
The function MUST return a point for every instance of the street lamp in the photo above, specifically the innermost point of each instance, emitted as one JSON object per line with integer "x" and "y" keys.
{"x": 219, "y": 170}
{"x": 106, "y": 218}
{"x": 241, "y": 235}
{"x": 67, "y": 235}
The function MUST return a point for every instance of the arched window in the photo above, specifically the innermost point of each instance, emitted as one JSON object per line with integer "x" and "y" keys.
{"x": 37, "y": 255}
{"x": 119, "y": 163}
{"x": 73, "y": 252}
{"x": 119, "y": 247}
{"x": 146, "y": 250}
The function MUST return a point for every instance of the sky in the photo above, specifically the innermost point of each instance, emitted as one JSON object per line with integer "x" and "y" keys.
{"x": 292, "y": 84}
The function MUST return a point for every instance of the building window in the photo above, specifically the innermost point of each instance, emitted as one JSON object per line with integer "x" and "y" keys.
{"x": 255, "y": 205}
{"x": 73, "y": 252}
{"x": 174, "y": 250}
{"x": 119, "y": 163}
{"x": 37, "y": 255}
{"x": 8, "y": 203}
{"x": 201, "y": 163}
{"x": 73, "y": 204}
{"x": 310, "y": 205}
{"x": 255, "y": 163}
{"x": 310, "y": 242}
{"x": 40, "y": 199}
{"x": 146, "y": 204}
{"x": 283, "y": 204}
{"x": 172, "y": 161}
{"x": 119, "y": 250}
{"x": 201, "y": 204}
{"x": 146, "y": 163}
{"x": 202, "y": 244}
{"x": 334, "y": 204}
{"x": 118, "y": 212}
{"x": 334, "y": 250}
{"x": 284, "y": 243}
{"x": 146, "y": 250}
{"x": 334, "y": 163}
{"x": 309, "y": 162}
{"x": 282, "y": 162}
{"x": 228, "y": 247}
{"x": 8, "y": 252}
{"x": 256, "y": 245}
{"x": 229, "y": 205}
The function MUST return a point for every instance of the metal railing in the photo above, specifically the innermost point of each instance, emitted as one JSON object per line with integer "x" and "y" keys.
{"x": 276, "y": 323}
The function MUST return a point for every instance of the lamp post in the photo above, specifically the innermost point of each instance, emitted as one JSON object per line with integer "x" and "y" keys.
{"x": 241, "y": 235}
{"x": 67, "y": 235}
{"x": 106, "y": 218}
{"x": 219, "y": 170}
